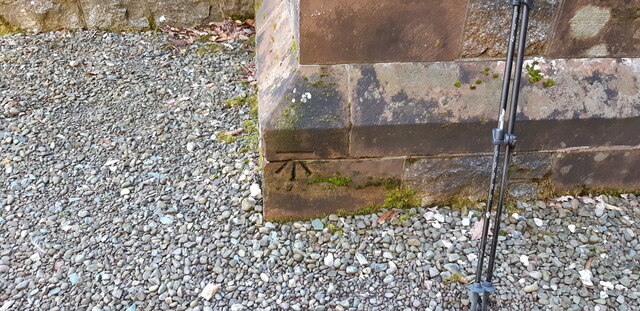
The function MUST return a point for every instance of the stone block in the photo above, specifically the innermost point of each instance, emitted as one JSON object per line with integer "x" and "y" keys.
{"x": 42, "y": 15}
{"x": 416, "y": 109}
{"x": 605, "y": 168}
{"x": 440, "y": 179}
{"x": 593, "y": 28}
{"x": 307, "y": 117}
{"x": 339, "y": 32}
{"x": 488, "y": 25}
{"x": 303, "y": 188}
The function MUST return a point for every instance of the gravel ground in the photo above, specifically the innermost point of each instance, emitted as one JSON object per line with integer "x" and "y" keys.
{"x": 117, "y": 194}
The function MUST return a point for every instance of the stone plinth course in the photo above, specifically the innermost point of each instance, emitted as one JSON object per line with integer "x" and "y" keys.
{"x": 364, "y": 92}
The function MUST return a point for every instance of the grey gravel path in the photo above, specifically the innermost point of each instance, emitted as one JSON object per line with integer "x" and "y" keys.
{"x": 117, "y": 194}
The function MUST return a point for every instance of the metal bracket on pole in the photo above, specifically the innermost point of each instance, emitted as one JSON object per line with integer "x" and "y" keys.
{"x": 502, "y": 138}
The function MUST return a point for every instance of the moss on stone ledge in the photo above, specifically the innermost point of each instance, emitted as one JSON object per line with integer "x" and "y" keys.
{"x": 8, "y": 29}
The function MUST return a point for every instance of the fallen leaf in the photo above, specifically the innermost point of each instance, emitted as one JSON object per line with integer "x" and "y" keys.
{"x": 476, "y": 232}
{"x": 92, "y": 73}
{"x": 179, "y": 43}
{"x": 387, "y": 216}
{"x": 588, "y": 264}
{"x": 564, "y": 198}
{"x": 234, "y": 132}
{"x": 588, "y": 200}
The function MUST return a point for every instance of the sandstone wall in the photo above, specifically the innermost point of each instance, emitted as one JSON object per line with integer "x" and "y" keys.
{"x": 118, "y": 14}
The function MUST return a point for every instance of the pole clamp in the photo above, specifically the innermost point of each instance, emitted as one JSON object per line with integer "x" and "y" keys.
{"x": 482, "y": 287}
{"x": 502, "y": 138}
{"x": 528, "y": 3}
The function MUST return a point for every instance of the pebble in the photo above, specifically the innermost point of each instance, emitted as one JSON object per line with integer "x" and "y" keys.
{"x": 317, "y": 224}
{"x": 22, "y": 285}
{"x": 167, "y": 220}
{"x": 247, "y": 204}
{"x": 536, "y": 275}
{"x": 530, "y": 288}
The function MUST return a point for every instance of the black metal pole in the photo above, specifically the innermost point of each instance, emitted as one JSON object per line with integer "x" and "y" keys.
{"x": 477, "y": 287}
{"x": 520, "y": 15}
{"x": 511, "y": 131}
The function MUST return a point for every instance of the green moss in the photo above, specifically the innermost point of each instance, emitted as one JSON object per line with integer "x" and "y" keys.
{"x": 226, "y": 138}
{"x": 250, "y": 126}
{"x": 478, "y": 81}
{"x": 461, "y": 203}
{"x": 487, "y": 69}
{"x": 454, "y": 278}
{"x": 250, "y": 101}
{"x": 496, "y": 75}
{"x": 534, "y": 74}
{"x": 321, "y": 83}
{"x": 610, "y": 191}
{"x": 207, "y": 48}
{"x": 256, "y": 5}
{"x": 457, "y": 84}
{"x": 242, "y": 17}
{"x": 548, "y": 83}
{"x": 7, "y": 29}
{"x": 387, "y": 183}
{"x": 401, "y": 198}
{"x": 369, "y": 209}
{"x": 151, "y": 24}
{"x": 335, "y": 180}
{"x": 204, "y": 38}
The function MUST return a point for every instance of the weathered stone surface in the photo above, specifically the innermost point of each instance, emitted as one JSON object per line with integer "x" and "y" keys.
{"x": 299, "y": 189}
{"x": 488, "y": 24}
{"x": 605, "y": 168}
{"x": 337, "y": 31}
{"x": 302, "y": 189}
{"x": 415, "y": 108}
{"x": 592, "y": 28}
{"x": 439, "y": 179}
{"x": 43, "y": 15}
{"x": 304, "y": 110}
{"x": 118, "y": 14}
{"x": 308, "y": 118}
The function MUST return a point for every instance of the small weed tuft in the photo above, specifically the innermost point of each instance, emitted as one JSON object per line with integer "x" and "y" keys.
{"x": 401, "y": 198}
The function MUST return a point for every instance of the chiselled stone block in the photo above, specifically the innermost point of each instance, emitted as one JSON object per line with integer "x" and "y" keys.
{"x": 356, "y": 31}
{"x": 308, "y": 117}
{"x": 439, "y": 179}
{"x": 488, "y": 24}
{"x": 593, "y": 28}
{"x": 613, "y": 168}
{"x": 417, "y": 109}
{"x": 312, "y": 188}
